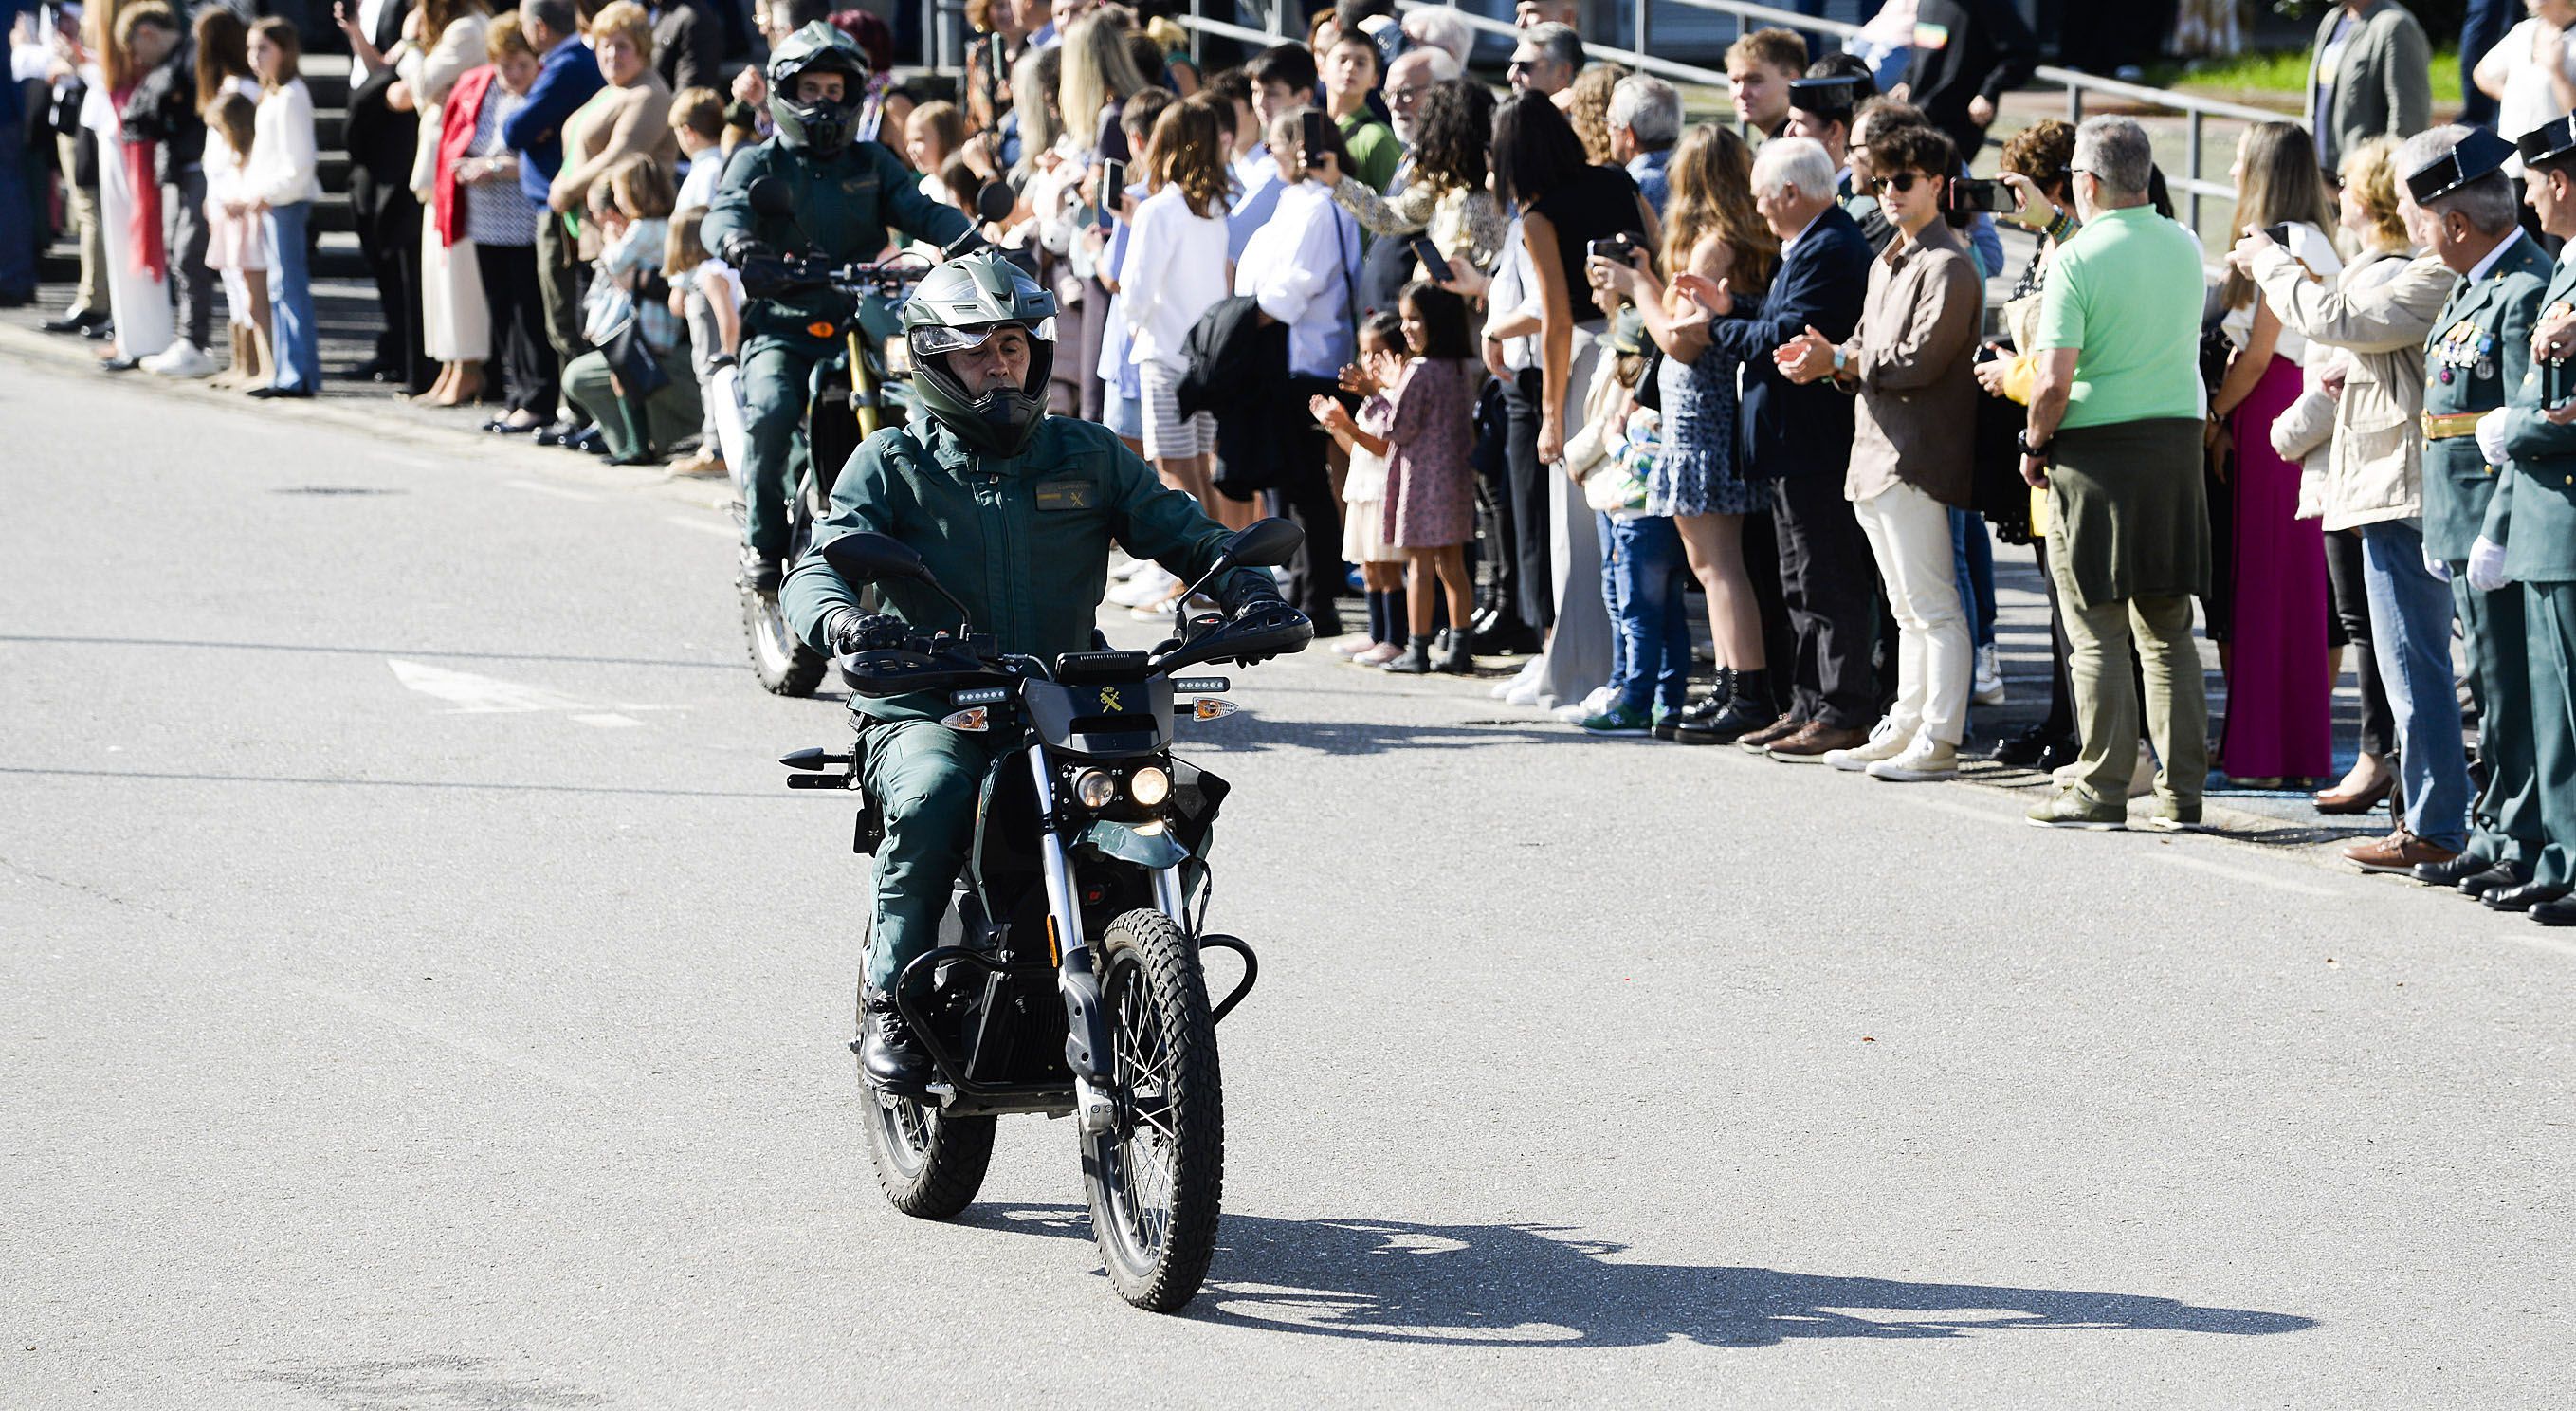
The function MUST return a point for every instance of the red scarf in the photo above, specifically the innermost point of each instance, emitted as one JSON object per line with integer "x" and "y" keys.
{"x": 455, "y": 142}
{"x": 143, "y": 222}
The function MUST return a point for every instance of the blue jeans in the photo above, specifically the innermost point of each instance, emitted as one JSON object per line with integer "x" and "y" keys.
{"x": 1613, "y": 598}
{"x": 1648, "y": 617}
{"x": 290, "y": 301}
{"x": 2410, "y": 629}
{"x": 1974, "y": 551}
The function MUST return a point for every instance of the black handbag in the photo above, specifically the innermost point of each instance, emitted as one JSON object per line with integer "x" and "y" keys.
{"x": 630, "y": 357}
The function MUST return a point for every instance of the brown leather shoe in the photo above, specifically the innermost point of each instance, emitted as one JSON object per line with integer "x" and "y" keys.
{"x": 2362, "y": 800}
{"x": 2398, "y": 852}
{"x": 1780, "y": 729}
{"x": 1814, "y": 741}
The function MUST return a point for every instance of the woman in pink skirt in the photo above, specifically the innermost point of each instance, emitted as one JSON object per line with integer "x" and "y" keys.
{"x": 2279, "y": 693}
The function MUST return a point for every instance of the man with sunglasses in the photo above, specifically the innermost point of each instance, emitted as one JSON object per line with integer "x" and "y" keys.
{"x": 1013, "y": 511}
{"x": 1546, "y": 60}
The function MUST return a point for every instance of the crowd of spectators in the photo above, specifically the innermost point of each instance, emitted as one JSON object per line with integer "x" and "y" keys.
{"x": 1531, "y": 365}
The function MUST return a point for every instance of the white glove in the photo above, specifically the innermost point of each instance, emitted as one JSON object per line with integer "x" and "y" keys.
{"x": 2491, "y": 437}
{"x": 2486, "y": 565}
{"x": 2436, "y": 567}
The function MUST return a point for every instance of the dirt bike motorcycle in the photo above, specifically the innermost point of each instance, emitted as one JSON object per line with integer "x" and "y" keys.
{"x": 1068, "y": 976}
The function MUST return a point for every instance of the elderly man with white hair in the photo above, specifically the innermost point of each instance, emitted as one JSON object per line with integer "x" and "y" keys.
{"x": 1800, "y": 440}
{"x": 1645, "y": 121}
{"x": 2114, "y": 436}
{"x": 1407, "y": 80}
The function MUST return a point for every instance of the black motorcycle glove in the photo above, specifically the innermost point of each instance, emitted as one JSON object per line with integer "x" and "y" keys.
{"x": 1246, "y": 589}
{"x": 857, "y": 631}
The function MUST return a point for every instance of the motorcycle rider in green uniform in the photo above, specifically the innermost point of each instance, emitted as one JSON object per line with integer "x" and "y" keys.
{"x": 845, "y": 193}
{"x": 1013, "y": 511}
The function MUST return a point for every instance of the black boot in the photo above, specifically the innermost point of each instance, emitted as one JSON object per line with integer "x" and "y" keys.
{"x": 889, "y": 1054}
{"x": 1747, "y": 709}
{"x": 1414, "y": 660}
{"x": 1700, "y": 712}
{"x": 1452, "y": 656}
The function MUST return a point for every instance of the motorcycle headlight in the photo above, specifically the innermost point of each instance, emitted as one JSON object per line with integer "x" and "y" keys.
{"x": 1149, "y": 786}
{"x": 1095, "y": 789}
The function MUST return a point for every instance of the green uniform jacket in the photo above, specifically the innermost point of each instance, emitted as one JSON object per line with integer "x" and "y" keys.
{"x": 2536, "y": 496}
{"x": 2478, "y": 352}
{"x": 843, "y": 206}
{"x": 1023, "y": 542}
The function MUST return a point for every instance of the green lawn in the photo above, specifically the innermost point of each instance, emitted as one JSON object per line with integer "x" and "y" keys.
{"x": 2282, "y": 74}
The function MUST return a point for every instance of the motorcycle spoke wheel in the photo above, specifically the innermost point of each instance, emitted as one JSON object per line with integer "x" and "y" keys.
{"x": 1157, "y": 1175}
{"x": 928, "y": 1163}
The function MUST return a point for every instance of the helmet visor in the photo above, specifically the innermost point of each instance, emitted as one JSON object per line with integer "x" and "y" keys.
{"x": 931, "y": 340}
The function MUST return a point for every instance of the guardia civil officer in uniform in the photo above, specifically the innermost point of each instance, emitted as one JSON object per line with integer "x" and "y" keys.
{"x": 2530, "y": 530}
{"x": 1013, "y": 511}
{"x": 2461, "y": 206}
{"x": 846, "y": 193}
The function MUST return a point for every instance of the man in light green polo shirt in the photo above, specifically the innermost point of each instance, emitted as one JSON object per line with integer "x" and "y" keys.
{"x": 2114, "y": 435}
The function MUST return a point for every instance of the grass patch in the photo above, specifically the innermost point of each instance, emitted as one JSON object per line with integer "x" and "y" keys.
{"x": 2282, "y": 73}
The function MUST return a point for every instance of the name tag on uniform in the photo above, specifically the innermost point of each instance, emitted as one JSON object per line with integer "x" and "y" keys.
{"x": 1068, "y": 495}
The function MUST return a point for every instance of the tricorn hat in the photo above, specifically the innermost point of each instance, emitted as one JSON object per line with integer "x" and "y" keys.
{"x": 2554, "y": 138}
{"x": 2476, "y": 155}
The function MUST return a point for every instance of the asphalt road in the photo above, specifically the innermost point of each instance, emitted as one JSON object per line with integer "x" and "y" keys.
{"x": 416, "y": 990}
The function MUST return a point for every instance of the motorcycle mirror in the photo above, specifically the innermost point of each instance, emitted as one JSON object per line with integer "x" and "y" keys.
{"x": 1266, "y": 543}
{"x": 995, "y": 200}
{"x": 769, "y": 197}
{"x": 872, "y": 558}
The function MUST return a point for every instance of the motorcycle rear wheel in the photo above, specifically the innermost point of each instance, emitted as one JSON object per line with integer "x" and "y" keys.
{"x": 1157, "y": 1178}
{"x": 929, "y": 1164}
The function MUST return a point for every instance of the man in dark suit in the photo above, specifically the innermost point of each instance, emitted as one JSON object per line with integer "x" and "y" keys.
{"x": 1799, "y": 439}
{"x": 567, "y": 77}
{"x": 380, "y": 139}
{"x": 688, "y": 44}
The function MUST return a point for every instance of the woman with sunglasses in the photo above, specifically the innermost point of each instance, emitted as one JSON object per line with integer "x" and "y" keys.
{"x": 1909, "y": 363}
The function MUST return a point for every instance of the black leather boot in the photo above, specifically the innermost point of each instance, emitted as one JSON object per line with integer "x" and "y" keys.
{"x": 1414, "y": 660}
{"x": 1450, "y": 654}
{"x": 892, "y": 1058}
{"x": 1747, "y": 709}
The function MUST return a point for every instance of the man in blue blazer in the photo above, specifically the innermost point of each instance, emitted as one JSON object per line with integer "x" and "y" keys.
{"x": 567, "y": 75}
{"x": 1799, "y": 439}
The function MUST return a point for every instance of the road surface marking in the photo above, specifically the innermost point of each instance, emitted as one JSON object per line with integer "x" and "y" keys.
{"x": 703, "y": 527}
{"x": 537, "y": 488}
{"x": 449, "y": 1037}
{"x": 479, "y": 695}
{"x": 2247, "y": 874}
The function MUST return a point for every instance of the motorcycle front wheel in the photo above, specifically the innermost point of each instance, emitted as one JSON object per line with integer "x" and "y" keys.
{"x": 1157, "y": 1176}
{"x": 785, "y": 665}
{"x": 929, "y": 1164}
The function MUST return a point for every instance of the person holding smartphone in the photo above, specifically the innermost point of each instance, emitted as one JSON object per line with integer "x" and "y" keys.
{"x": 1444, "y": 197}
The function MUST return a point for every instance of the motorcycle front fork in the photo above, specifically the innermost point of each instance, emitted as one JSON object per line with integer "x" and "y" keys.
{"x": 1086, "y": 1042}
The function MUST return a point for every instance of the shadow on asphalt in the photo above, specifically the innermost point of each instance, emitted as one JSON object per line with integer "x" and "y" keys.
{"x": 1536, "y": 1286}
{"x": 1249, "y": 733}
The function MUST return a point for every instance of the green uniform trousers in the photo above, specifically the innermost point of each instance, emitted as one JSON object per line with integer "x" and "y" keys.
{"x": 2505, "y": 820}
{"x": 2106, "y": 704}
{"x": 559, "y": 286}
{"x": 926, "y": 780}
{"x": 663, "y": 418}
{"x": 2549, "y": 619}
{"x": 775, "y": 378}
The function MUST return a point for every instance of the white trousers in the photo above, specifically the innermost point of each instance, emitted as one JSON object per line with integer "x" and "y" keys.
{"x": 1909, "y": 535}
{"x": 139, "y": 303}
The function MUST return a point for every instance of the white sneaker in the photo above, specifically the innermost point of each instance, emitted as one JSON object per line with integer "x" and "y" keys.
{"x": 1527, "y": 675}
{"x": 1121, "y": 572}
{"x": 1885, "y": 742}
{"x": 181, "y": 359}
{"x": 1989, "y": 687}
{"x": 1598, "y": 703}
{"x": 1523, "y": 693}
{"x": 1152, "y": 586}
{"x": 1922, "y": 762}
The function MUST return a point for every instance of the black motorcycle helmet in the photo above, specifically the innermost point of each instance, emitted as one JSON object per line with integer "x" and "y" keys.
{"x": 823, "y": 129}
{"x": 958, "y": 306}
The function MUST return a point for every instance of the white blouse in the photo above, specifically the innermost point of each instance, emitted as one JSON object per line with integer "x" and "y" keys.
{"x": 283, "y": 168}
{"x": 1185, "y": 255}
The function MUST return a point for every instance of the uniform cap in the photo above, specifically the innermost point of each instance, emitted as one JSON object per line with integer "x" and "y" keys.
{"x": 2476, "y": 155}
{"x": 1824, "y": 95}
{"x": 2554, "y": 138}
